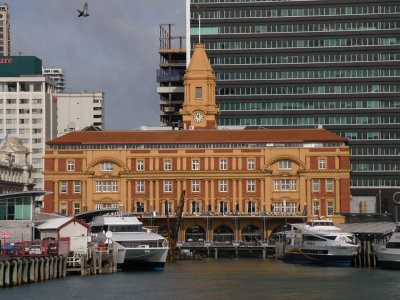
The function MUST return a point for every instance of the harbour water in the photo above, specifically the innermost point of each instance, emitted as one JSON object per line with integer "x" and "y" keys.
{"x": 220, "y": 279}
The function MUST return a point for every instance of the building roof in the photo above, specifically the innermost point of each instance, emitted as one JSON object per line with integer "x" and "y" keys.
{"x": 197, "y": 136}
{"x": 58, "y": 223}
{"x": 380, "y": 228}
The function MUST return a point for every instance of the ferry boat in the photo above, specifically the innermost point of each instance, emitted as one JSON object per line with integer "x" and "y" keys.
{"x": 318, "y": 242}
{"x": 388, "y": 255}
{"x": 138, "y": 247}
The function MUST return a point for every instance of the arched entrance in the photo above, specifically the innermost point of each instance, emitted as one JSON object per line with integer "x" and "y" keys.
{"x": 251, "y": 233}
{"x": 223, "y": 233}
{"x": 195, "y": 233}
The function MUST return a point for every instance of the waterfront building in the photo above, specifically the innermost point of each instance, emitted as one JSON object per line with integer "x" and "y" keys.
{"x": 77, "y": 111}
{"x": 28, "y": 108}
{"x": 308, "y": 63}
{"x": 170, "y": 77}
{"x": 4, "y": 30}
{"x": 235, "y": 181}
{"x": 57, "y": 75}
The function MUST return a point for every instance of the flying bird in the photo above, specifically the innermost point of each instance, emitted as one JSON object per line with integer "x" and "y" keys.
{"x": 84, "y": 12}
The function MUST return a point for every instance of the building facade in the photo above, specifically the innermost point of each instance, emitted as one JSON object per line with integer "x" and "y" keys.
{"x": 308, "y": 63}
{"x": 4, "y": 30}
{"x": 28, "y": 109}
{"x": 228, "y": 176}
{"x": 58, "y": 76}
{"x": 77, "y": 111}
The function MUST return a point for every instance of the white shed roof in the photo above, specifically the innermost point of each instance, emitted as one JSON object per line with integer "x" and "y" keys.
{"x": 54, "y": 223}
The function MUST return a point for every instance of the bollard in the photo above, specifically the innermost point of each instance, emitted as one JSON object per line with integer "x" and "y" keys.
{"x": 41, "y": 269}
{"x": 64, "y": 266}
{"x": 25, "y": 270}
{"x": 19, "y": 271}
{"x": 55, "y": 273}
{"x": 36, "y": 269}
{"x": 7, "y": 273}
{"x": 14, "y": 272}
{"x": 60, "y": 266}
{"x": 46, "y": 268}
{"x": 51, "y": 267}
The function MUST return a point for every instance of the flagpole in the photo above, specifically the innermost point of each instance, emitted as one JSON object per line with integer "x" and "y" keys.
{"x": 199, "y": 27}
{"x": 187, "y": 33}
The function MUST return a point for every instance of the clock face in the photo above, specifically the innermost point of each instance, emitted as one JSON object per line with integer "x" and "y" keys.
{"x": 198, "y": 117}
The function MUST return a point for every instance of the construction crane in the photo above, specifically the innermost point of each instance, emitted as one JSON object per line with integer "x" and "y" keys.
{"x": 173, "y": 232}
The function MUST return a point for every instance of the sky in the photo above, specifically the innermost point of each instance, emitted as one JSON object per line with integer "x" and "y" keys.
{"x": 114, "y": 50}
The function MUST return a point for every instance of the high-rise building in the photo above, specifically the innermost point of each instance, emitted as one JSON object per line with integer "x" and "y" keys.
{"x": 28, "y": 109}
{"x": 4, "y": 30}
{"x": 170, "y": 76}
{"x": 79, "y": 110}
{"x": 308, "y": 63}
{"x": 57, "y": 75}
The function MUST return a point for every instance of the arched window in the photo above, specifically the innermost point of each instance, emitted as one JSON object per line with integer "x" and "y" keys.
{"x": 195, "y": 233}
{"x": 223, "y": 233}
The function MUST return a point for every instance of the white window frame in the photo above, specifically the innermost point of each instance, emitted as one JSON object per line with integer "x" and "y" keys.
{"x": 251, "y": 164}
{"x": 330, "y": 208}
{"x": 285, "y": 185}
{"x": 195, "y": 207}
{"x": 167, "y": 186}
{"x": 293, "y": 185}
{"x": 329, "y": 185}
{"x": 251, "y": 185}
{"x": 63, "y": 187}
{"x": 195, "y": 185}
{"x": 115, "y": 186}
{"x": 140, "y": 165}
{"x": 223, "y": 185}
{"x": 77, "y": 187}
{"x": 251, "y": 207}
{"x": 285, "y": 164}
{"x": 293, "y": 207}
{"x": 322, "y": 164}
{"x": 277, "y": 207}
{"x": 315, "y": 185}
{"x": 70, "y": 165}
{"x": 276, "y": 185}
{"x": 167, "y": 165}
{"x": 98, "y": 206}
{"x": 140, "y": 186}
{"x": 168, "y": 207}
{"x": 195, "y": 164}
{"x": 77, "y": 208}
{"x": 98, "y": 186}
{"x": 223, "y": 165}
{"x": 107, "y": 166}
{"x": 63, "y": 209}
{"x": 106, "y": 186}
{"x": 316, "y": 206}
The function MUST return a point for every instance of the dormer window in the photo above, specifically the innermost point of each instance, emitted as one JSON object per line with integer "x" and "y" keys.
{"x": 199, "y": 93}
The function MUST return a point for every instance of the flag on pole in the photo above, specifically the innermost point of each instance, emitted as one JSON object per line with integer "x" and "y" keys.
{"x": 54, "y": 99}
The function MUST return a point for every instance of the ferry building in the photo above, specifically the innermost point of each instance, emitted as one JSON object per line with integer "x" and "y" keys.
{"x": 238, "y": 184}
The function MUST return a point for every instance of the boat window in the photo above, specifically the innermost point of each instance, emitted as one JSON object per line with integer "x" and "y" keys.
{"x": 397, "y": 229}
{"x": 97, "y": 229}
{"x": 331, "y": 237}
{"x": 312, "y": 238}
{"x": 126, "y": 228}
{"x": 393, "y": 245}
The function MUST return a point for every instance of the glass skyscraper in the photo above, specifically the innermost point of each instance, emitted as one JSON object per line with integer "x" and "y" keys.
{"x": 308, "y": 63}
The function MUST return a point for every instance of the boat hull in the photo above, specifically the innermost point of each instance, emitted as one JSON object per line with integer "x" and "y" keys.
{"x": 387, "y": 258}
{"x": 142, "y": 258}
{"x": 296, "y": 256}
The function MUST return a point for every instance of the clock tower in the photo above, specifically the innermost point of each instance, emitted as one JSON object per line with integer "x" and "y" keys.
{"x": 199, "y": 110}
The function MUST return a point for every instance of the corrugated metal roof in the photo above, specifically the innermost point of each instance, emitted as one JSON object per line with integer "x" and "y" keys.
{"x": 368, "y": 228}
{"x": 54, "y": 223}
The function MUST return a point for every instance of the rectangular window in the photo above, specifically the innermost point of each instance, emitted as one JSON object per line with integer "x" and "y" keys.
{"x": 329, "y": 208}
{"x": 276, "y": 185}
{"x": 284, "y": 165}
{"x": 63, "y": 186}
{"x": 98, "y": 206}
{"x": 285, "y": 185}
{"x": 316, "y": 208}
{"x": 70, "y": 165}
{"x": 315, "y": 186}
{"x": 251, "y": 185}
{"x": 222, "y": 164}
{"x": 322, "y": 164}
{"x": 77, "y": 208}
{"x": 223, "y": 185}
{"x": 107, "y": 186}
{"x": 195, "y": 164}
{"x": 140, "y": 186}
{"x": 199, "y": 93}
{"x": 167, "y": 165}
{"x": 140, "y": 165}
{"x": 168, "y": 186}
{"x": 329, "y": 185}
{"x": 195, "y": 207}
{"x": 277, "y": 207}
{"x": 106, "y": 166}
{"x": 63, "y": 209}
{"x": 293, "y": 185}
{"x": 250, "y": 164}
{"x": 115, "y": 186}
{"x": 168, "y": 208}
{"x": 196, "y": 185}
{"x": 77, "y": 186}
{"x": 98, "y": 186}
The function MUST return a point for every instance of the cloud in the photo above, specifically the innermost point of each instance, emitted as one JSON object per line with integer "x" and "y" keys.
{"x": 114, "y": 50}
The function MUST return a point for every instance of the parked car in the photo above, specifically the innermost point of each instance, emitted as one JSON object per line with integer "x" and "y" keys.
{"x": 35, "y": 250}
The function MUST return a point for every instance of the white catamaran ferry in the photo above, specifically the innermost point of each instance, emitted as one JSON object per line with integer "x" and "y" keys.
{"x": 318, "y": 242}
{"x": 388, "y": 255}
{"x": 138, "y": 247}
